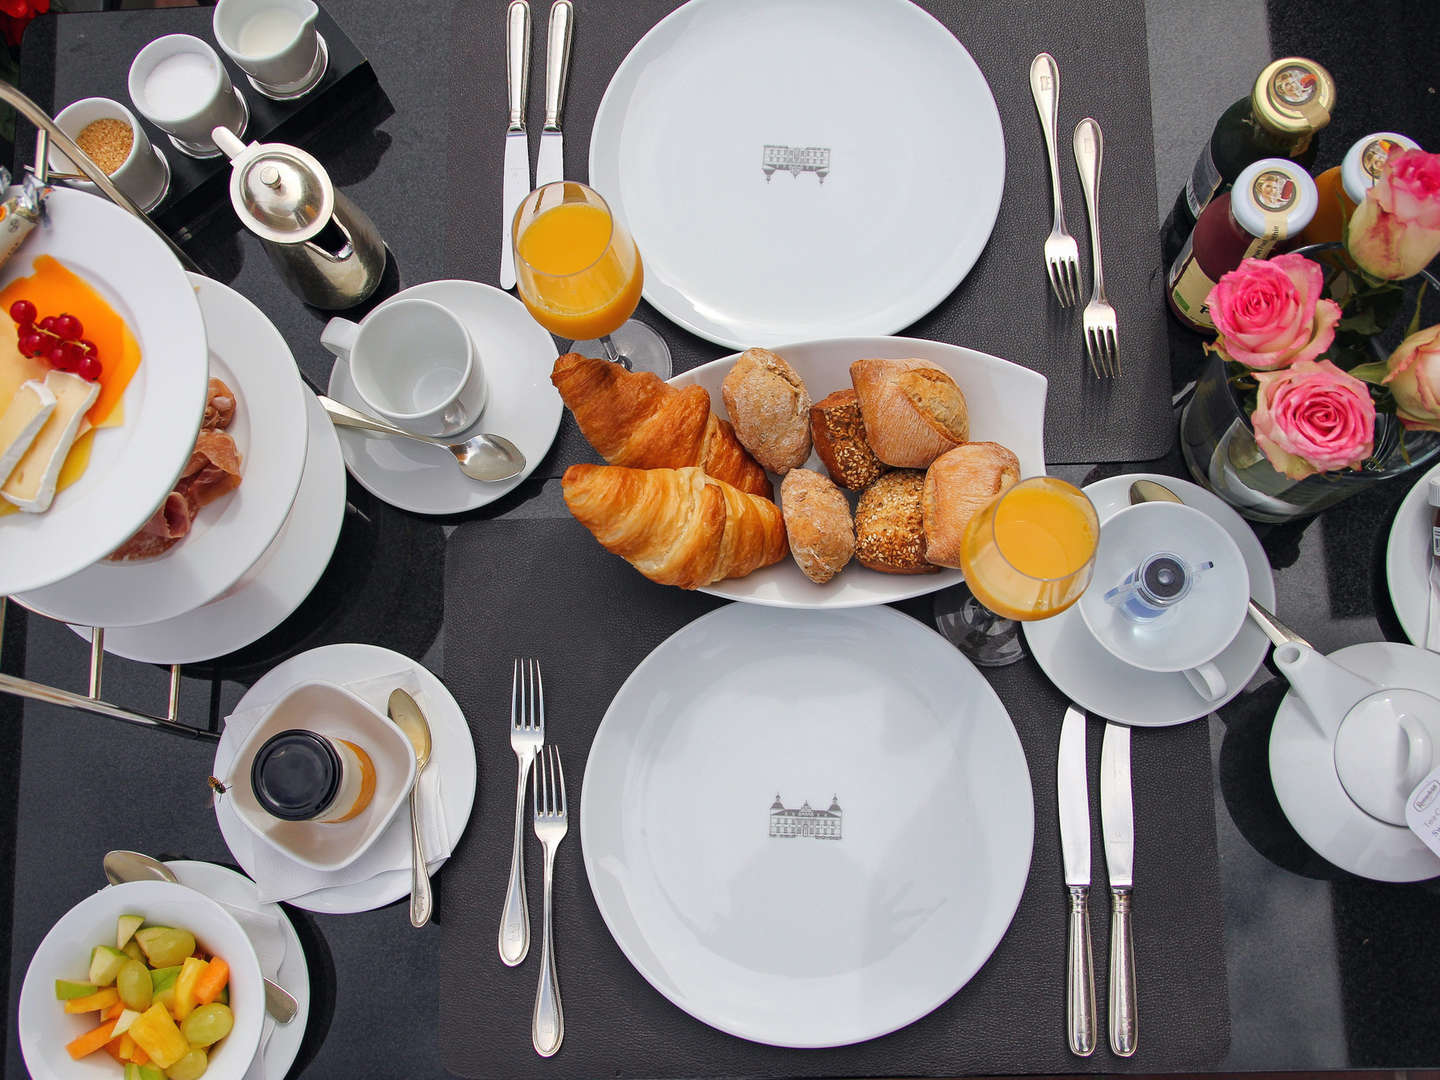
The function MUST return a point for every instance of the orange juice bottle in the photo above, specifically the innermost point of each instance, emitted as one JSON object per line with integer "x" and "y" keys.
{"x": 583, "y": 273}
{"x": 1028, "y": 554}
{"x": 1343, "y": 187}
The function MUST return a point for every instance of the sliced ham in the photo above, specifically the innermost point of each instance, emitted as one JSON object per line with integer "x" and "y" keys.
{"x": 212, "y": 471}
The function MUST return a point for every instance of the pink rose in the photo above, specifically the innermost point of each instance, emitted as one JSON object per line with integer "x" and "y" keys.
{"x": 1312, "y": 417}
{"x": 1414, "y": 379}
{"x": 1395, "y": 232}
{"x": 1269, "y": 312}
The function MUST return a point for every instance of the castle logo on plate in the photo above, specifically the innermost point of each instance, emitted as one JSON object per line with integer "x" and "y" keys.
{"x": 796, "y": 160}
{"x": 805, "y": 820}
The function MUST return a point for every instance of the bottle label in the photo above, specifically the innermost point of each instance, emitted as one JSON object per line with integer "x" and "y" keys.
{"x": 1295, "y": 89}
{"x": 1435, "y": 541}
{"x": 1204, "y": 182}
{"x": 1376, "y": 153}
{"x": 1190, "y": 287}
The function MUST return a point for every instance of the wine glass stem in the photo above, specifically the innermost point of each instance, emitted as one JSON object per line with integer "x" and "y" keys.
{"x": 613, "y": 354}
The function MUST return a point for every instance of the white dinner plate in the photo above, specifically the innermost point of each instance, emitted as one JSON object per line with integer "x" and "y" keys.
{"x": 274, "y": 586}
{"x": 248, "y": 354}
{"x": 1006, "y": 403}
{"x": 1407, "y": 559}
{"x": 518, "y": 356}
{"x": 237, "y": 891}
{"x": 132, "y": 466}
{"x": 806, "y": 830}
{"x": 1101, "y": 683}
{"x": 796, "y": 169}
{"x": 452, "y": 752}
{"x": 1302, "y": 768}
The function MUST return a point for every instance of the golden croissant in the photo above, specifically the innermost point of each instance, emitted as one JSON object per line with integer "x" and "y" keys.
{"x": 676, "y": 526}
{"x": 636, "y": 419}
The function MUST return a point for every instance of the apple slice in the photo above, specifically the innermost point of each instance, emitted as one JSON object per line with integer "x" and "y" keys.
{"x": 125, "y": 928}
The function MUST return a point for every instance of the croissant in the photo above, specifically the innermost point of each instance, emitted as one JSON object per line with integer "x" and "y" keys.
{"x": 676, "y": 526}
{"x": 636, "y": 419}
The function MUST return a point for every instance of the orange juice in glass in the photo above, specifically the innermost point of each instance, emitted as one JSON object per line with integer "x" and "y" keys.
{"x": 580, "y": 275}
{"x": 1027, "y": 555}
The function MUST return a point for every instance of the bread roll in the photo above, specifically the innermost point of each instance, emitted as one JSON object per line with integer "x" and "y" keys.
{"x": 889, "y": 529}
{"x": 817, "y": 524}
{"x": 770, "y": 408}
{"x": 838, "y": 432}
{"x": 913, "y": 410}
{"x": 676, "y": 526}
{"x": 957, "y": 485}
{"x": 636, "y": 419}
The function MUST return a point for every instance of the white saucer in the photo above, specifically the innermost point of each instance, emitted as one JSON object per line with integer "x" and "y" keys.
{"x": 1407, "y": 560}
{"x": 518, "y": 356}
{"x": 1302, "y": 767}
{"x": 271, "y": 589}
{"x": 453, "y": 752}
{"x": 1099, "y": 683}
{"x": 225, "y": 885}
{"x": 248, "y": 354}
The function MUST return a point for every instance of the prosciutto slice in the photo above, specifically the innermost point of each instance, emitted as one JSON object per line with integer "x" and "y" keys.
{"x": 212, "y": 471}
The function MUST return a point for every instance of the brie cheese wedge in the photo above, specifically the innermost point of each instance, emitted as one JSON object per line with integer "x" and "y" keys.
{"x": 31, "y": 485}
{"x": 21, "y": 422}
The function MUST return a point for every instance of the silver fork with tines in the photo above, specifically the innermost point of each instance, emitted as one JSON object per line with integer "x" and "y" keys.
{"x": 1062, "y": 256}
{"x": 527, "y": 737}
{"x": 1101, "y": 337}
{"x": 547, "y": 1023}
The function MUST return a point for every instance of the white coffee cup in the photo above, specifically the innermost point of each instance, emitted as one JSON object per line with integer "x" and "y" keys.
{"x": 178, "y": 83}
{"x": 414, "y": 363}
{"x": 1189, "y": 636}
{"x": 144, "y": 175}
{"x": 274, "y": 42}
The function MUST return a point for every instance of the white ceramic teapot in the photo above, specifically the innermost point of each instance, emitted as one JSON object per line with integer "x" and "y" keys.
{"x": 1348, "y": 748}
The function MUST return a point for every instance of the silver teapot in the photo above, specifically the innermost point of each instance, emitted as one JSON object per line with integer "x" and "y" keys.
{"x": 323, "y": 245}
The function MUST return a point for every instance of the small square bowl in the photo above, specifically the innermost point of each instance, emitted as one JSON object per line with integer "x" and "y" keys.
{"x": 333, "y": 711}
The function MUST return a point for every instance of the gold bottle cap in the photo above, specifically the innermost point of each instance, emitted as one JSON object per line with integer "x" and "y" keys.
{"x": 1293, "y": 96}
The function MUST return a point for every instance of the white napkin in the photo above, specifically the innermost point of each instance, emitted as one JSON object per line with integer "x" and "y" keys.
{"x": 281, "y": 878}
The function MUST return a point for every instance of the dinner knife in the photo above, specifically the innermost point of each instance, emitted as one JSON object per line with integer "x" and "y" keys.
{"x": 517, "y": 142}
{"x": 1432, "y": 620}
{"x": 1074, "y": 797}
{"x": 550, "y": 165}
{"x": 1117, "y": 818}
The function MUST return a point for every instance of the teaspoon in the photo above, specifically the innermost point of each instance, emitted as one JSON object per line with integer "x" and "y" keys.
{"x": 123, "y": 866}
{"x": 491, "y": 458}
{"x": 406, "y": 714}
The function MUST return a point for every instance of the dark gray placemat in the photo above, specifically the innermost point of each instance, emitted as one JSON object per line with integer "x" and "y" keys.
{"x": 1004, "y": 306}
{"x": 590, "y": 619}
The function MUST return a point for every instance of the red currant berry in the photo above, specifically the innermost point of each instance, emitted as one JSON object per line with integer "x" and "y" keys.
{"x": 88, "y": 347}
{"x": 48, "y": 323}
{"x": 23, "y": 311}
{"x": 68, "y": 328}
{"x": 88, "y": 368}
{"x": 73, "y": 355}
{"x": 30, "y": 342}
{"x": 56, "y": 355}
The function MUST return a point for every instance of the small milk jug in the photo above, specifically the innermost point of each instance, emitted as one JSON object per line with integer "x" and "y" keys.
{"x": 324, "y": 246}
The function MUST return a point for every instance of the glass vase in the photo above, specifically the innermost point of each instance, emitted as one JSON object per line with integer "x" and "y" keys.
{"x": 1218, "y": 439}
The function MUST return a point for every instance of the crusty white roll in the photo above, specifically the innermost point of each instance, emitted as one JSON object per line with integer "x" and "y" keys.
{"x": 817, "y": 524}
{"x": 770, "y": 408}
{"x": 957, "y": 485}
{"x": 913, "y": 410}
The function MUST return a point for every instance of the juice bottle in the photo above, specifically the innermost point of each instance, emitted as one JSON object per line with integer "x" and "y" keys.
{"x": 1271, "y": 203}
{"x": 1343, "y": 187}
{"x": 1291, "y": 101}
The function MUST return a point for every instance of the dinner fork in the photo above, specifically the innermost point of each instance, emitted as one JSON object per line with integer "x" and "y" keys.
{"x": 527, "y": 737}
{"x": 547, "y": 1023}
{"x": 1101, "y": 337}
{"x": 1062, "y": 256}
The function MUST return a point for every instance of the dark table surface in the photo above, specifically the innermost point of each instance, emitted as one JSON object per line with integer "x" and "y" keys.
{"x": 1325, "y": 970}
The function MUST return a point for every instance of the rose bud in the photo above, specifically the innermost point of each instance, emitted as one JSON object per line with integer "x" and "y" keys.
{"x": 1414, "y": 378}
{"x": 1395, "y": 232}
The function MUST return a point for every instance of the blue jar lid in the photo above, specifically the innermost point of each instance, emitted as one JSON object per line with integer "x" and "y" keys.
{"x": 295, "y": 775}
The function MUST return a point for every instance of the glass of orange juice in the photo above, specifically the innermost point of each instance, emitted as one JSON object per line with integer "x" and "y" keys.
{"x": 1027, "y": 555}
{"x": 578, "y": 271}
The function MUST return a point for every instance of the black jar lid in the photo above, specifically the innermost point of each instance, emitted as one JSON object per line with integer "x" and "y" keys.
{"x": 295, "y": 775}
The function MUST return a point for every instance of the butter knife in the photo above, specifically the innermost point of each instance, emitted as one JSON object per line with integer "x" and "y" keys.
{"x": 1117, "y": 818}
{"x": 1074, "y": 798}
{"x": 517, "y": 142}
{"x": 1432, "y": 619}
{"x": 550, "y": 165}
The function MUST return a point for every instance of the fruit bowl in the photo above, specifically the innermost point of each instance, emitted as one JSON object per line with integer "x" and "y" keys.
{"x": 45, "y": 1028}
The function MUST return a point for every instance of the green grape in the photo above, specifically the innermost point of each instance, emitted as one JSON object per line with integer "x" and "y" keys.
{"x": 134, "y": 985}
{"x": 208, "y": 1024}
{"x": 190, "y": 1067}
